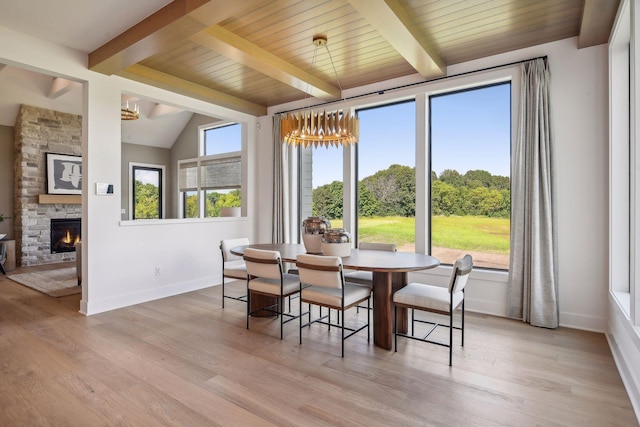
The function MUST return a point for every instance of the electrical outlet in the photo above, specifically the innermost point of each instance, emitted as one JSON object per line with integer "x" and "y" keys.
{"x": 158, "y": 271}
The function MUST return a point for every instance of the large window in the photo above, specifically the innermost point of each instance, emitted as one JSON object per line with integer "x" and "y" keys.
{"x": 222, "y": 139}
{"x": 147, "y": 191}
{"x": 386, "y": 175}
{"x": 470, "y": 168}
{"x": 214, "y": 179}
{"x": 457, "y": 202}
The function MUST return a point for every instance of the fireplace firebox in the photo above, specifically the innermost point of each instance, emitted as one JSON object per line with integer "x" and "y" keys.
{"x": 65, "y": 233}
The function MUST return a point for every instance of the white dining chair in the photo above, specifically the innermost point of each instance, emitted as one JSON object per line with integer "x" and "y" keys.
{"x": 435, "y": 299}
{"x": 233, "y": 266}
{"x": 266, "y": 276}
{"x": 322, "y": 283}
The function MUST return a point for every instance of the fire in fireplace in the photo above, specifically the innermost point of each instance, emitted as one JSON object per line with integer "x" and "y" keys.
{"x": 65, "y": 233}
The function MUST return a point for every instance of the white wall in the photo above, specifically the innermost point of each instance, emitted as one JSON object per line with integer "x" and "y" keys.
{"x": 579, "y": 115}
{"x": 120, "y": 257}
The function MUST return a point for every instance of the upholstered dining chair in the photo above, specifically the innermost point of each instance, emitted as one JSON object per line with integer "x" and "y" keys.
{"x": 322, "y": 283}
{"x": 435, "y": 299}
{"x": 266, "y": 276}
{"x": 233, "y": 266}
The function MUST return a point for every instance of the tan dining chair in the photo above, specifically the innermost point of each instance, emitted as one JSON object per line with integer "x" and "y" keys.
{"x": 322, "y": 283}
{"x": 266, "y": 276}
{"x": 233, "y": 266}
{"x": 435, "y": 299}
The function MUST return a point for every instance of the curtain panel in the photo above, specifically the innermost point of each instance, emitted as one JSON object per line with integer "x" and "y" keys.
{"x": 532, "y": 288}
{"x": 280, "y": 221}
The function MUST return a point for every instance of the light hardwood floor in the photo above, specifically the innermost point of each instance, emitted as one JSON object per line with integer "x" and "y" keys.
{"x": 184, "y": 361}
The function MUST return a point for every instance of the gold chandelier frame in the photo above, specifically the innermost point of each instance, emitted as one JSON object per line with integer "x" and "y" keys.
{"x": 310, "y": 128}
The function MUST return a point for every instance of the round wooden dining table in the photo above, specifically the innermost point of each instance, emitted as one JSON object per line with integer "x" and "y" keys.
{"x": 389, "y": 270}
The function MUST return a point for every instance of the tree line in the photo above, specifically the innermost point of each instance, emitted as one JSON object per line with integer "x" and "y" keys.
{"x": 392, "y": 192}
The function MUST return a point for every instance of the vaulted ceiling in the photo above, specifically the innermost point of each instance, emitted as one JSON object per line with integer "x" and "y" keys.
{"x": 251, "y": 54}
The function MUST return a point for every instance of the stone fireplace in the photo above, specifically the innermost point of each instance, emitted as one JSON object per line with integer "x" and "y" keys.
{"x": 39, "y": 131}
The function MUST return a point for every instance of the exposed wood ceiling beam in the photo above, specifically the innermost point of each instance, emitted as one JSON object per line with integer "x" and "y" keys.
{"x": 392, "y": 21}
{"x": 165, "y": 81}
{"x": 59, "y": 87}
{"x": 166, "y": 28}
{"x": 246, "y": 53}
{"x": 597, "y": 19}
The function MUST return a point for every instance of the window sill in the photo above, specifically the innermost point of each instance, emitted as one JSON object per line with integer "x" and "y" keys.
{"x": 623, "y": 299}
{"x": 174, "y": 221}
{"x": 500, "y": 276}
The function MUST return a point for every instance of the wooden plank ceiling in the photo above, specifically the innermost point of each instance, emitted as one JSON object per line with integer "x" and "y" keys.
{"x": 248, "y": 55}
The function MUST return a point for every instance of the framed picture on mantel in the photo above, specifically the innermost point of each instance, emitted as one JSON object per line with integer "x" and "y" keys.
{"x": 64, "y": 174}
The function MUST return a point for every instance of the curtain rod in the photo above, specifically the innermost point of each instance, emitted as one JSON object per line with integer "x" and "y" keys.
{"x": 382, "y": 91}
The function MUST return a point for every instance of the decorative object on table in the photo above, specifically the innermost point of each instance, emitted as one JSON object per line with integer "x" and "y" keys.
{"x": 313, "y": 228}
{"x": 336, "y": 242}
{"x": 64, "y": 174}
{"x": 313, "y": 128}
{"x": 2, "y": 236}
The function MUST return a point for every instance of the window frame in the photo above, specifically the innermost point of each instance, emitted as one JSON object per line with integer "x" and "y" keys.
{"x": 429, "y": 144}
{"x": 162, "y": 183}
{"x": 467, "y": 78}
{"x": 203, "y": 160}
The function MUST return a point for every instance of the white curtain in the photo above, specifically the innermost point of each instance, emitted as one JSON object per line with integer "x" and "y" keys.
{"x": 280, "y": 223}
{"x": 533, "y": 288}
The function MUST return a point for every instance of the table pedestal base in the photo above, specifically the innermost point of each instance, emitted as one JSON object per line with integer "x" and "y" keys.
{"x": 260, "y": 300}
{"x": 384, "y": 285}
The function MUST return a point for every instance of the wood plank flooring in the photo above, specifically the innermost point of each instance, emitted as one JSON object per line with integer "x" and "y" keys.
{"x": 184, "y": 361}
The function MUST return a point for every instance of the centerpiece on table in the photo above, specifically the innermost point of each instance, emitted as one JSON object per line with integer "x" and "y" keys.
{"x": 313, "y": 228}
{"x": 336, "y": 242}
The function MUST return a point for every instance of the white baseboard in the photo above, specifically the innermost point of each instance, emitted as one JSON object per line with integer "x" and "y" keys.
{"x": 625, "y": 374}
{"x": 126, "y": 300}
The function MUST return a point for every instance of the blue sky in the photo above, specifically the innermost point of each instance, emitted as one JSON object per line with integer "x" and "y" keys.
{"x": 470, "y": 130}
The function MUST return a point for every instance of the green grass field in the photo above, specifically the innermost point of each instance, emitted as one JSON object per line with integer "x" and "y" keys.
{"x": 472, "y": 233}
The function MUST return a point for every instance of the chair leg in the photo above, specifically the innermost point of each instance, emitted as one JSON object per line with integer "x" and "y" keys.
{"x": 341, "y": 327}
{"x": 395, "y": 328}
{"x": 222, "y": 292}
{"x": 368, "y": 320}
{"x": 248, "y": 305}
{"x": 450, "y": 336}
{"x": 281, "y": 310}
{"x": 300, "y": 329}
{"x": 462, "y": 324}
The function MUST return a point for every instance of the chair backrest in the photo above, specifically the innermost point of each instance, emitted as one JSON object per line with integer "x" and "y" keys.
{"x": 263, "y": 263}
{"x": 318, "y": 270}
{"x": 227, "y": 244}
{"x": 3, "y": 253}
{"x": 374, "y": 246}
{"x": 460, "y": 273}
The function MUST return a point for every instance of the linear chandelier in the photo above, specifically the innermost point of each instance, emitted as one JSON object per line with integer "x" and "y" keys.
{"x": 127, "y": 113}
{"x": 309, "y": 128}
